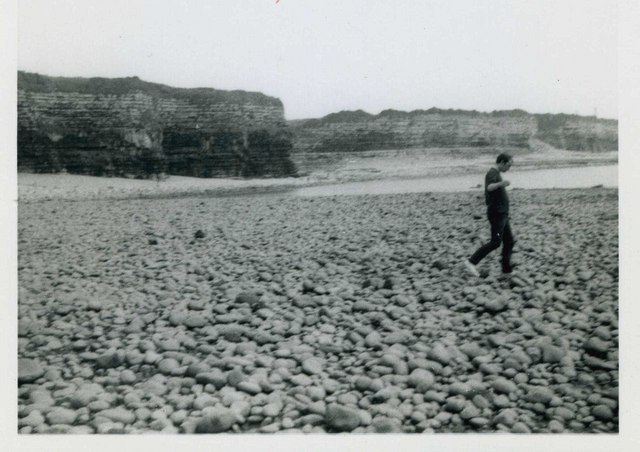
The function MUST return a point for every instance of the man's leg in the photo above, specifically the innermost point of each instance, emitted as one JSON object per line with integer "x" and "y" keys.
{"x": 498, "y": 223}
{"x": 507, "y": 248}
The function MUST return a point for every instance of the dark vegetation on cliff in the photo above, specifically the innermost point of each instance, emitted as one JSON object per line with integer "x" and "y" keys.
{"x": 128, "y": 127}
{"x": 117, "y": 86}
{"x": 346, "y": 116}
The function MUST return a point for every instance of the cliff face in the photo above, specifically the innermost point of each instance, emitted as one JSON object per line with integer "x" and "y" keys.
{"x": 127, "y": 126}
{"x": 505, "y": 130}
{"x": 578, "y": 133}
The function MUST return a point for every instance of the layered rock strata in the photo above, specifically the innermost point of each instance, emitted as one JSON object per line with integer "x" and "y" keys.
{"x": 509, "y": 130}
{"x": 127, "y": 126}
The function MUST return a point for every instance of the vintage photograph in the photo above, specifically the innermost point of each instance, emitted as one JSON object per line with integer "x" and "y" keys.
{"x": 353, "y": 217}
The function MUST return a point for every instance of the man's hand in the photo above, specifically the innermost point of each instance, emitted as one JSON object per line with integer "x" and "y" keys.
{"x": 496, "y": 185}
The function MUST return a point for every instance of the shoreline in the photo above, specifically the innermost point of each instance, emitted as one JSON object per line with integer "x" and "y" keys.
{"x": 44, "y": 187}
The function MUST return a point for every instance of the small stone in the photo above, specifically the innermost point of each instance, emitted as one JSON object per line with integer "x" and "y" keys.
{"x": 232, "y": 332}
{"x": 396, "y": 337}
{"x": 250, "y": 298}
{"x": 318, "y": 407}
{"x": 556, "y": 426}
{"x": 204, "y": 400}
{"x": 272, "y": 409}
{"x": 118, "y": 414}
{"x": 386, "y": 425}
{"x": 362, "y": 306}
{"x": 169, "y": 366}
{"x": 217, "y": 422}
{"x": 373, "y": 340}
{"x": 196, "y": 368}
{"x": 520, "y": 427}
{"x": 110, "y": 359}
{"x": 348, "y": 398}
{"x": 196, "y": 305}
{"x": 341, "y": 418}
{"x": 110, "y": 427}
{"x": 316, "y": 393}
{"x": 249, "y": 387}
{"x": 440, "y": 354}
{"x": 481, "y": 402}
{"x": 312, "y": 366}
{"x": 41, "y": 399}
{"x": 472, "y": 350}
{"x": 460, "y": 388}
{"x": 241, "y": 408}
{"x": 195, "y": 321}
{"x": 421, "y": 379}
{"x": 60, "y": 415}
{"x": 603, "y": 333}
{"x": 470, "y": 411}
{"x": 603, "y": 413}
{"x": 214, "y": 377}
{"x": 136, "y": 325}
{"x": 301, "y": 380}
{"x": 98, "y": 405}
{"x": 496, "y": 305}
{"x": 269, "y": 428}
{"x": 133, "y": 357}
{"x": 435, "y": 396}
{"x": 455, "y": 404}
{"x": 127, "y": 377}
{"x": 385, "y": 394}
{"x": 539, "y": 394}
{"x": 597, "y": 347}
{"x": 85, "y": 395}
{"x": 504, "y": 386}
{"x": 33, "y": 419}
{"x": 362, "y": 383}
{"x": 29, "y": 370}
{"x": 151, "y": 357}
{"x": 564, "y": 413}
{"x": 501, "y": 401}
{"x": 94, "y": 305}
{"x": 170, "y": 345}
{"x": 552, "y": 354}
{"x": 507, "y": 416}
{"x": 479, "y": 422}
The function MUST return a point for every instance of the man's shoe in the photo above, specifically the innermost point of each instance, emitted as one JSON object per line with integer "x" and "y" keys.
{"x": 471, "y": 268}
{"x": 509, "y": 268}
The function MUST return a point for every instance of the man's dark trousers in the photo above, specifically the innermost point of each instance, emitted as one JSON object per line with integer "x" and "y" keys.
{"x": 500, "y": 234}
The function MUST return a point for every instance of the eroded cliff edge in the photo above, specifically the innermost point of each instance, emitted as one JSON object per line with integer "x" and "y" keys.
{"x": 127, "y": 126}
{"x": 513, "y": 130}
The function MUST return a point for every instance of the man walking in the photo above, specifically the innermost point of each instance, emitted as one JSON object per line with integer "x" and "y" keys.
{"x": 495, "y": 195}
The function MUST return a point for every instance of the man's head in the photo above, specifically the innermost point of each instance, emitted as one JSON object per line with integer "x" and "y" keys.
{"x": 504, "y": 162}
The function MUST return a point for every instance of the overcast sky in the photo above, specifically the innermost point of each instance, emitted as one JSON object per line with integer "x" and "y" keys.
{"x": 320, "y": 57}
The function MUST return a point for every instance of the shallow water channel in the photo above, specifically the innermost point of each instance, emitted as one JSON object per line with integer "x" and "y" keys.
{"x": 576, "y": 177}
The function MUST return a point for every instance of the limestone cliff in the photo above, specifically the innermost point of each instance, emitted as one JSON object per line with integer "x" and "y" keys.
{"x": 578, "y": 133}
{"x": 127, "y": 126}
{"x": 353, "y": 131}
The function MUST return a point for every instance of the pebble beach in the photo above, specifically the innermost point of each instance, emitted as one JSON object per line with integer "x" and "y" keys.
{"x": 321, "y": 314}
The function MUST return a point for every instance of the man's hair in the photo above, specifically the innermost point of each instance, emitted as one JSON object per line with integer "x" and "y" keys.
{"x": 503, "y": 158}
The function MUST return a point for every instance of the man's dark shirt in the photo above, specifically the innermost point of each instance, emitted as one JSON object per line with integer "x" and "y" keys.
{"x": 497, "y": 200}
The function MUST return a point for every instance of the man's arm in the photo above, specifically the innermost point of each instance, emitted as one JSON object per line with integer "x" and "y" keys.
{"x": 496, "y": 185}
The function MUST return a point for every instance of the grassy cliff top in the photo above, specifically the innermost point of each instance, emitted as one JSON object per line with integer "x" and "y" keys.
{"x": 31, "y": 82}
{"x": 547, "y": 120}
